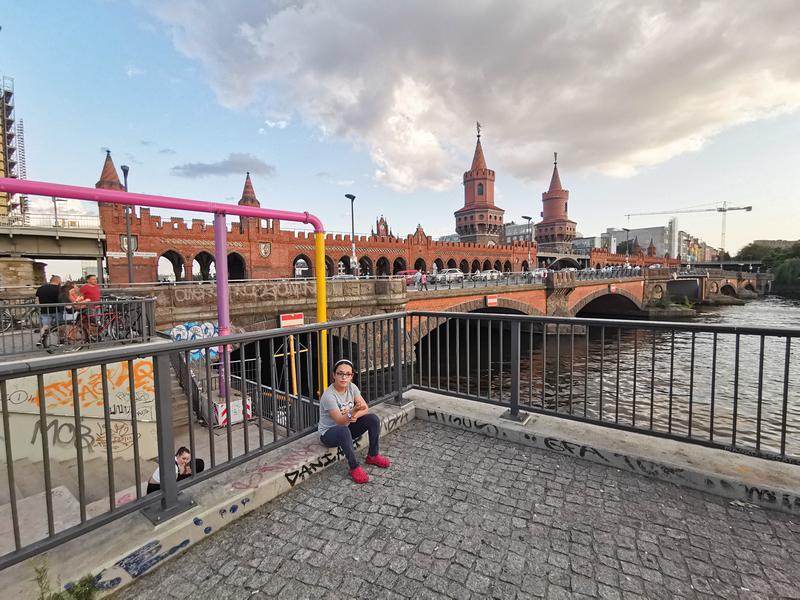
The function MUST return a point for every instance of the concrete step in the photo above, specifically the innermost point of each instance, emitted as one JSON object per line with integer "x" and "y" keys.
{"x": 32, "y": 513}
{"x": 28, "y": 477}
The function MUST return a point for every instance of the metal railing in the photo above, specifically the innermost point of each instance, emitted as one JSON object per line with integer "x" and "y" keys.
{"x": 121, "y": 404}
{"x": 98, "y": 418}
{"x": 734, "y": 388}
{"x": 50, "y": 220}
{"x": 26, "y": 326}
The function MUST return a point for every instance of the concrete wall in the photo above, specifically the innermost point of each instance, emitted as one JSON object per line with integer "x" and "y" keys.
{"x": 59, "y": 426}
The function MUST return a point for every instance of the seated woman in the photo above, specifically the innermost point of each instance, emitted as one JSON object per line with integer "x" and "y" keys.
{"x": 344, "y": 415}
{"x": 183, "y": 469}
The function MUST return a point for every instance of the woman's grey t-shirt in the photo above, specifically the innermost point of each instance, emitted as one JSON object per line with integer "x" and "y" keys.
{"x": 332, "y": 399}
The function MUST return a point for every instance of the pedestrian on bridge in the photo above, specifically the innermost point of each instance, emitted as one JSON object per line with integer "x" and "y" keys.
{"x": 423, "y": 282}
{"x": 418, "y": 279}
{"x": 344, "y": 415}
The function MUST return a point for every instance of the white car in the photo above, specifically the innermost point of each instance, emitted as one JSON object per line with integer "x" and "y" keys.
{"x": 449, "y": 276}
{"x": 540, "y": 273}
{"x": 490, "y": 275}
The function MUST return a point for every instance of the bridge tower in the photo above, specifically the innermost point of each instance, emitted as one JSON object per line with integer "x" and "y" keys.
{"x": 555, "y": 232}
{"x": 479, "y": 221}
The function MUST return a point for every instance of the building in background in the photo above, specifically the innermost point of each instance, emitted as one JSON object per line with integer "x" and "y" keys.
{"x": 517, "y": 232}
{"x": 665, "y": 239}
{"x": 585, "y": 245}
{"x": 555, "y": 232}
{"x": 779, "y": 244}
{"x": 479, "y": 221}
{"x": 8, "y": 141}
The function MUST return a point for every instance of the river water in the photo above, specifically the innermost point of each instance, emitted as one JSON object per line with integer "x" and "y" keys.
{"x": 674, "y": 382}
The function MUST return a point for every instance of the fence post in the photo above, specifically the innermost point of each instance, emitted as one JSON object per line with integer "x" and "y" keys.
{"x": 398, "y": 363}
{"x": 172, "y": 503}
{"x": 513, "y": 413}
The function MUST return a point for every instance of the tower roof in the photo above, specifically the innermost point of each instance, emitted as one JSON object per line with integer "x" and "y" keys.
{"x": 478, "y": 161}
{"x": 249, "y": 194}
{"x": 109, "y": 180}
{"x": 555, "y": 180}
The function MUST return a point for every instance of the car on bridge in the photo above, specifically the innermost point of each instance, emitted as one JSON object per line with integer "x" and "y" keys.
{"x": 489, "y": 275}
{"x": 408, "y": 275}
{"x": 450, "y": 276}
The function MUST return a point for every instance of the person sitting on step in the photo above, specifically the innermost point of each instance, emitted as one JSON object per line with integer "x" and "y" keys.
{"x": 183, "y": 469}
{"x": 344, "y": 415}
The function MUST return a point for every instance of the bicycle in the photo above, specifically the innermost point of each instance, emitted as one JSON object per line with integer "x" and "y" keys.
{"x": 66, "y": 337}
{"x": 24, "y": 317}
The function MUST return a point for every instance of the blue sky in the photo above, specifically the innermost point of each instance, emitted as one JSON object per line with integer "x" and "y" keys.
{"x": 326, "y": 99}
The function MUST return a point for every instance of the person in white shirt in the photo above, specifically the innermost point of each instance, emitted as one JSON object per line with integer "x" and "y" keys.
{"x": 183, "y": 469}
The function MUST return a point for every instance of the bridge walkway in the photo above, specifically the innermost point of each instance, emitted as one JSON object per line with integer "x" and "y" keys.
{"x": 457, "y": 516}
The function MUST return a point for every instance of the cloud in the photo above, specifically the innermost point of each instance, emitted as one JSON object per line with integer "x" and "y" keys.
{"x": 167, "y": 151}
{"x": 132, "y": 71}
{"x": 236, "y": 163}
{"x": 613, "y": 86}
{"x": 328, "y": 178}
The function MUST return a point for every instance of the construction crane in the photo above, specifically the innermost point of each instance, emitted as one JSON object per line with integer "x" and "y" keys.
{"x": 723, "y": 209}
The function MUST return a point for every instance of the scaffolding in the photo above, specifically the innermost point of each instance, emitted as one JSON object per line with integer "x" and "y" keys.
{"x": 8, "y": 142}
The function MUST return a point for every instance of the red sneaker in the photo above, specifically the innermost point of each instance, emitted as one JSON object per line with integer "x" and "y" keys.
{"x": 359, "y": 475}
{"x": 379, "y": 461}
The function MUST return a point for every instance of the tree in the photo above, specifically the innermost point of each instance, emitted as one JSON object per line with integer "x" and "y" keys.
{"x": 788, "y": 272}
{"x": 753, "y": 251}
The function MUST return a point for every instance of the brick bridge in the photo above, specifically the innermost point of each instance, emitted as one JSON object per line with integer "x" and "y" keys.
{"x": 256, "y": 305}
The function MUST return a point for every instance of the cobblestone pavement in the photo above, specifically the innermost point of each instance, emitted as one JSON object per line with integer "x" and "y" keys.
{"x": 461, "y": 515}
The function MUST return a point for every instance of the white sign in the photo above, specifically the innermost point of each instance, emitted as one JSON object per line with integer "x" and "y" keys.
{"x": 136, "y": 254}
{"x": 291, "y": 320}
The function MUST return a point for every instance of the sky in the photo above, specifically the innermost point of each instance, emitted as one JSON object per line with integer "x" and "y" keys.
{"x": 651, "y": 106}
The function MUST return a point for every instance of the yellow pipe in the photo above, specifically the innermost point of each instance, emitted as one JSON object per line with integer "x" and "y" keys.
{"x": 322, "y": 307}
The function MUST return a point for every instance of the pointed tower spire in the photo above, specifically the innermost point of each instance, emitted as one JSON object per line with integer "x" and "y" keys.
{"x": 555, "y": 180}
{"x": 249, "y": 194}
{"x": 478, "y": 161}
{"x": 109, "y": 179}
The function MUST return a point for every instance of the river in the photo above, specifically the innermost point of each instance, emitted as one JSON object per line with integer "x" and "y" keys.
{"x": 676, "y": 383}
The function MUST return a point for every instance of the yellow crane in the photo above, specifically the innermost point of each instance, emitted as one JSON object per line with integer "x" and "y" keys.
{"x": 722, "y": 209}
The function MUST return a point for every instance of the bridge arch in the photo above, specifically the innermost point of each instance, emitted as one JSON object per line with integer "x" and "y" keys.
{"x": 330, "y": 268}
{"x": 344, "y": 265}
{"x": 302, "y": 266}
{"x": 464, "y": 266}
{"x": 201, "y": 266}
{"x": 399, "y": 265}
{"x": 172, "y": 260}
{"x": 749, "y": 286}
{"x": 728, "y": 290}
{"x": 451, "y": 264}
{"x": 438, "y": 264}
{"x": 382, "y": 267}
{"x": 237, "y": 268}
{"x": 419, "y": 265}
{"x": 525, "y": 266}
{"x": 487, "y": 265}
{"x": 476, "y": 265}
{"x": 498, "y": 266}
{"x": 564, "y": 262}
{"x": 516, "y": 306}
{"x": 620, "y": 301}
{"x": 507, "y": 267}
{"x": 365, "y": 265}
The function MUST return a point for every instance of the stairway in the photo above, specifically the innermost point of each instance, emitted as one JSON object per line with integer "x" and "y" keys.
{"x": 180, "y": 406}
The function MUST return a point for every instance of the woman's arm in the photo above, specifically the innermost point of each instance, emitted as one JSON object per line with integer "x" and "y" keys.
{"x": 360, "y": 409}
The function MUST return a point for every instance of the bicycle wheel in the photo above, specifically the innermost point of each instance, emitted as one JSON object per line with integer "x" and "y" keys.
{"x": 6, "y": 320}
{"x": 120, "y": 329}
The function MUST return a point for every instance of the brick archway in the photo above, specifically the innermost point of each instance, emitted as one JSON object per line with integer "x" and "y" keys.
{"x": 583, "y": 302}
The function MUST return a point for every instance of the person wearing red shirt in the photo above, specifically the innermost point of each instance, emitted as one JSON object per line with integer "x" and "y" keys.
{"x": 90, "y": 290}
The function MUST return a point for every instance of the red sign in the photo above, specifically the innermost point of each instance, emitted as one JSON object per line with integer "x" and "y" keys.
{"x": 291, "y": 320}
{"x": 491, "y": 300}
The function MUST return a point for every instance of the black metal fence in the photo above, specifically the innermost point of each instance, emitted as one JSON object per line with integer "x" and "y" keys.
{"x": 26, "y": 326}
{"x": 83, "y": 432}
{"x": 736, "y": 388}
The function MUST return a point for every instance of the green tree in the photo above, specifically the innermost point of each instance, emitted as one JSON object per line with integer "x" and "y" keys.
{"x": 753, "y": 251}
{"x": 788, "y": 272}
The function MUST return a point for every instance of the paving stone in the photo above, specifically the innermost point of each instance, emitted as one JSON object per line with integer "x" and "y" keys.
{"x": 459, "y": 515}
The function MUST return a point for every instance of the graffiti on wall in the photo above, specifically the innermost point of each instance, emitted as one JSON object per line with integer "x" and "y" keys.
{"x": 23, "y": 393}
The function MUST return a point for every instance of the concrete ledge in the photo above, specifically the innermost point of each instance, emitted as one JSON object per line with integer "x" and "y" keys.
{"x": 131, "y": 546}
{"x": 765, "y": 483}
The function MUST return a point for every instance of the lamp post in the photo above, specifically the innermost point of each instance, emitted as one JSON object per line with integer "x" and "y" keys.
{"x": 129, "y": 249}
{"x": 55, "y": 209}
{"x": 528, "y": 219}
{"x": 354, "y": 261}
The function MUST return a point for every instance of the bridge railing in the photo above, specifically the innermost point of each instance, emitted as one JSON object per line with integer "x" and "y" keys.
{"x": 27, "y": 327}
{"x": 736, "y": 388}
{"x": 83, "y": 432}
{"x": 50, "y": 220}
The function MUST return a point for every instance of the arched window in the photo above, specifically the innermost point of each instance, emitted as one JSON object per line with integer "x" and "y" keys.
{"x": 480, "y": 189}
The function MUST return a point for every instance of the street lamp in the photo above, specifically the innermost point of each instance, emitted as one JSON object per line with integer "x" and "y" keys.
{"x": 354, "y": 265}
{"x": 528, "y": 219}
{"x": 129, "y": 249}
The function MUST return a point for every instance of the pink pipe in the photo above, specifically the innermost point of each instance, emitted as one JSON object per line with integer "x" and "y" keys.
{"x": 21, "y": 186}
